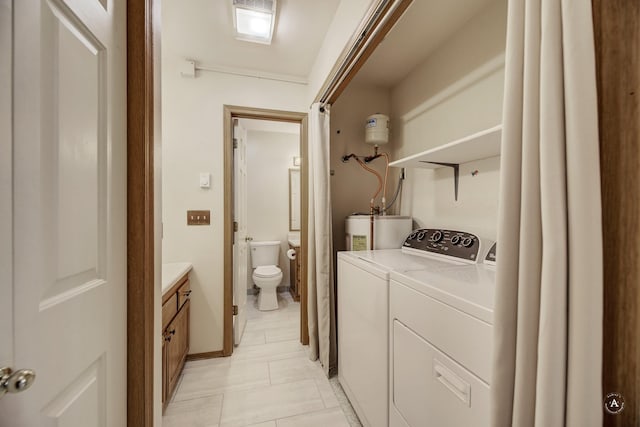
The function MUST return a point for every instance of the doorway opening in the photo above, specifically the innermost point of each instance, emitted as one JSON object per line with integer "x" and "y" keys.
{"x": 237, "y": 278}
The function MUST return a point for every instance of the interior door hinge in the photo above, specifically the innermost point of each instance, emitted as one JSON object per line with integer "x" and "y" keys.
{"x": 235, "y": 142}
{"x": 235, "y": 225}
{"x": 235, "y": 310}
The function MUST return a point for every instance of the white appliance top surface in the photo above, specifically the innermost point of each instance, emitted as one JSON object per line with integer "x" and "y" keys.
{"x": 396, "y": 260}
{"x": 468, "y": 288}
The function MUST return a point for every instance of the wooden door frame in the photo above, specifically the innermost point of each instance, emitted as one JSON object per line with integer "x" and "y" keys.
{"x": 140, "y": 212}
{"x": 235, "y": 112}
{"x": 617, "y": 48}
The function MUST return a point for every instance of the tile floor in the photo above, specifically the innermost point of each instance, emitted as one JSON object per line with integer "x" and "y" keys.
{"x": 269, "y": 381}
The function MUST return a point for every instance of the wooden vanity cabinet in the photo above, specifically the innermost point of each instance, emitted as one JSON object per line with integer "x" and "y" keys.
{"x": 175, "y": 335}
{"x": 176, "y": 348}
{"x": 294, "y": 273}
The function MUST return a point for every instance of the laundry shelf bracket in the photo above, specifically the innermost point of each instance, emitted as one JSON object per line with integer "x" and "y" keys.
{"x": 456, "y": 174}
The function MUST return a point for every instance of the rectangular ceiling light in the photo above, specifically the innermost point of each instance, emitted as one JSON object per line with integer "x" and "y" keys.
{"x": 254, "y": 20}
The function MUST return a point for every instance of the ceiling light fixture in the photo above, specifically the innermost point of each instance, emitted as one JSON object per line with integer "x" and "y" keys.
{"x": 254, "y": 20}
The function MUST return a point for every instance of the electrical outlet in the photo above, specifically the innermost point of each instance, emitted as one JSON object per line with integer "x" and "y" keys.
{"x": 198, "y": 217}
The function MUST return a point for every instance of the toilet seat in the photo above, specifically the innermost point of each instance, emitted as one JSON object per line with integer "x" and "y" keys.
{"x": 267, "y": 271}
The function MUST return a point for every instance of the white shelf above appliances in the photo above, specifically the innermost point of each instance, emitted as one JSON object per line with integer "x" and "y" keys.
{"x": 478, "y": 146}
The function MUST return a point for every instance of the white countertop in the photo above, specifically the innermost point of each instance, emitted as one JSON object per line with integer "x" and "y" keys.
{"x": 294, "y": 242}
{"x": 294, "y": 238}
{"x": 172, "y": 272}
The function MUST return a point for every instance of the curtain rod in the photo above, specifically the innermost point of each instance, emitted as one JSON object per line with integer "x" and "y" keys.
{"x": 364, "y": 38}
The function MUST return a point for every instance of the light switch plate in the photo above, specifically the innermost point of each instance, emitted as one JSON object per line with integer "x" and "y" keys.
{"x": 205, "y": 180}
{"x": 198, "y": 217}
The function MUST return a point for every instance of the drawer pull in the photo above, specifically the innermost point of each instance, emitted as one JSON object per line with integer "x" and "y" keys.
{"x": 460, "y": 388}
{"x": 167, "y": 337}
{"x": 186, "y": 293}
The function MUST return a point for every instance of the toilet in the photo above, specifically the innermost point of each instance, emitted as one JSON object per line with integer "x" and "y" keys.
{"x": 266, "y": 274}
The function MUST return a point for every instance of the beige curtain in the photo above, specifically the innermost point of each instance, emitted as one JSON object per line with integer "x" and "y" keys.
{"x": 548, "y": 311}
{"x": 321, "y": 295}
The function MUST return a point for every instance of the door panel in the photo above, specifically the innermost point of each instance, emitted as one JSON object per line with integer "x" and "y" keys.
{"x": 6, "y": 202}
{"x": 240, "y": 259}
{"x": 74, "y": 160}
{"x": 69, "y": 225}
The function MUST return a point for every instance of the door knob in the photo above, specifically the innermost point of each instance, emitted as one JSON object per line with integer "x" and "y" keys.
{"x": 15, "y": 382}
{"x": 248, "y": 239}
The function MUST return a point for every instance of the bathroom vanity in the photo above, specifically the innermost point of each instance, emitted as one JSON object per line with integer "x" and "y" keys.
{"x": 176, "y": 292}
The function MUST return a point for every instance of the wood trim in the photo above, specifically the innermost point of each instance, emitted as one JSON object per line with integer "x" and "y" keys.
{"x": 140, "y": 214}
{"x": 617, "y": 40}
{"x": 345, "y": 68}
{"x": 204, "y": 356}
{"x": 235, "y": 112}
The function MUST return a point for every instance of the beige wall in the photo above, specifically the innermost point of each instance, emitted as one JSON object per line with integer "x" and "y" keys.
{"x": 345, "y": 22}
{"x": 351, "y": 186}
{"x": 457, "y": 91}
{"x": 192, "y": 143}
{"x": 269, "y": 157}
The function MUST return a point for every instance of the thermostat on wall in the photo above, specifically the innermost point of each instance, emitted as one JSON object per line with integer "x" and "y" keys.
{"x": 205, "y": 180}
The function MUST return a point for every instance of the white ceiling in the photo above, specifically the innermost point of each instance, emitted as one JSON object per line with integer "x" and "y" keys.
{"x": 422, "y": 28}
{"x": 202, "y": 30}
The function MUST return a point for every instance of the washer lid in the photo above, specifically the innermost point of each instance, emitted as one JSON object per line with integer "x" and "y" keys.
{"x": 267, "y": 271}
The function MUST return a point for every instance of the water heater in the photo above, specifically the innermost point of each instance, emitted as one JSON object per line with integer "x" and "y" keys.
{"x": 377, "y": 129}
{"x": 389, "y": 231}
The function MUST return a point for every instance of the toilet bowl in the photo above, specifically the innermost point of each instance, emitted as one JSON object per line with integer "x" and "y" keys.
{"x": 267, "y": 278}
{"x": 266, "y": 274}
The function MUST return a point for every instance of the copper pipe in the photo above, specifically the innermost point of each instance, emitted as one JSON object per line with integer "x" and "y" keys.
{"x": 368, "y": 169}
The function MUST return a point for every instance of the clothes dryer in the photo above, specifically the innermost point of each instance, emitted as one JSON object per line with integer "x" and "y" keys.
{"x": 441, "y": 334}
{"x": 363, "y": 310}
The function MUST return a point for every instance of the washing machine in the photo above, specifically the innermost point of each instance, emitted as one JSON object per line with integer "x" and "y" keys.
{"x": 440, "y": 346}
{"x": 363, "y": 310}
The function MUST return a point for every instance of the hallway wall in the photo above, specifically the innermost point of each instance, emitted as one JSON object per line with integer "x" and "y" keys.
{"x": 193, "y": 143}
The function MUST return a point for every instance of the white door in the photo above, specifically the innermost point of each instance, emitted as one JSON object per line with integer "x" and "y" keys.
{"x": 69, "y": 214}
{"x": 6, "y": 211}
{"x": 240, "y": 255}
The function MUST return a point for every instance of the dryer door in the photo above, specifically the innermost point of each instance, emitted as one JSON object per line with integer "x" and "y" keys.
{"x": 431, "y": 389}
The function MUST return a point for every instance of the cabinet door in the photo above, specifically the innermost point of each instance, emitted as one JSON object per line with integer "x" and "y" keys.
{"x": 177, "y": 347}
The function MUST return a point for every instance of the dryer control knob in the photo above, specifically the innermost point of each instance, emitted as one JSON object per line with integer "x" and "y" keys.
{"x": 436, "y": 236}
{"x": 467, "y": 242}
{"x": 456, "y": 239}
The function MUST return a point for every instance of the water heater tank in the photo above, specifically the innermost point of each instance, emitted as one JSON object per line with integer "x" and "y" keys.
{"x": 377, "y": 129}
{"x": 389, "y": 231}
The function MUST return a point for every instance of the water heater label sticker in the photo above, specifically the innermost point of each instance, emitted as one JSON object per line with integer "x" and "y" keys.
{"x": 359, "y": 243}
{"x": 371, "y": 123}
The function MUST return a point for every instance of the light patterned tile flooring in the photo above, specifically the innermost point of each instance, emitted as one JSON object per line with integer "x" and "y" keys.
{"x": 269, "y": 381}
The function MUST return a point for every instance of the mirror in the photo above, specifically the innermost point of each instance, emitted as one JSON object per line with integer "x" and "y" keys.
{"x": 294, "y": 199}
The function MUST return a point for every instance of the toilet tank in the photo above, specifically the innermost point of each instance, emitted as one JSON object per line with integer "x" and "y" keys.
{"x": 265, "y": 253}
